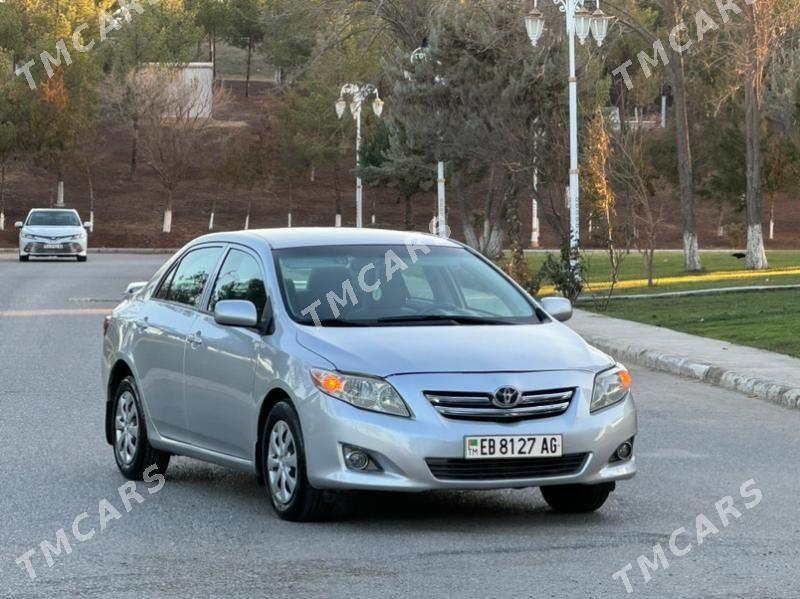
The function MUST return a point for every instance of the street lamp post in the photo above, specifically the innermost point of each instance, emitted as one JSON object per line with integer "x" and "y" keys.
{"x": 580, "y": 22}
{"x": 417, "y": 56}
{"x": 358, "y": 94}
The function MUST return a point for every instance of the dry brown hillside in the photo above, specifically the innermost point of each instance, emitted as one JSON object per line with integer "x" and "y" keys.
{"x": 128, "y": 213}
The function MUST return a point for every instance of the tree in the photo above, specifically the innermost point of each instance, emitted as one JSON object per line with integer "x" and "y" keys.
{"x": 246, "y": 30}
{"x": 162, "y": 33}
{"x": 398, "y": 166}
{"x": 599, "y": 192}
{"x": 672, "y": 16}
{"x": 765, "y": 26}
{"x": 176, "y": 123}
{"x": 633, "y": 176}
{"x": 480, "y": 102}
{"x": 213, "y": 16}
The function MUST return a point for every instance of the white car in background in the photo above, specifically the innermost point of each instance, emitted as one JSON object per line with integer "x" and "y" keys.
{"x": 53, "y": 233}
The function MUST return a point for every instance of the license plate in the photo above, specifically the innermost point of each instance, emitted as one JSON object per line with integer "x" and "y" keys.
{"x": 52, "y": 246}
{"x": 513, "y": 446}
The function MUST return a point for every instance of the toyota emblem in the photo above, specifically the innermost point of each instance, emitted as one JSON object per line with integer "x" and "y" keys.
{"x": 506, "y": 397}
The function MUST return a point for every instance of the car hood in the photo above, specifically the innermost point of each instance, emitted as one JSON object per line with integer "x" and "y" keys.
{"x": 53, "y": 231}
{"x": 384, "y": 351}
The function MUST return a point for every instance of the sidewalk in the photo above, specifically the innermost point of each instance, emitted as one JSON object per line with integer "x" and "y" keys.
{"x": 762, "y": 374}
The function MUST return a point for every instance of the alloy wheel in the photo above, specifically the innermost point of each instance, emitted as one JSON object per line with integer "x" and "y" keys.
{"x": 127, "y": 428}
{"x": 282, "y": 463}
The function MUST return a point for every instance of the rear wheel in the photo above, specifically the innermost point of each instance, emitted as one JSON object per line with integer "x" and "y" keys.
{"x": 132, "y": 451}
{"x": 577, "y": 499}
{"x": 284, "y": 468}
{"x": 82, "y": 258}
{"x": 23, "y": 258}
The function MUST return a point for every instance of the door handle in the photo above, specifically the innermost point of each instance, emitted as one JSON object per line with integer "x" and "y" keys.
{"x": 195, "y": 340}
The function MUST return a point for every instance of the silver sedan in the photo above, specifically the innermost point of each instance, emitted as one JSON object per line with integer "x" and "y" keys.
{"x": 331, "y": 359}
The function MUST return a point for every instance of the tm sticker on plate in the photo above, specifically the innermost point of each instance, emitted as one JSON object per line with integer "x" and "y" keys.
{"x": 513, "y": 446}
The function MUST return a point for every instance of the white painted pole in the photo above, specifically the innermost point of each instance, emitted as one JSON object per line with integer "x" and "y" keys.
{"x": 574, "y": 173}
{"x": 289, "y": 223}
{"x": 60, "y": 196}
{"x": 338, "y": 221}
{"x": 441, "y": 202}
{"x": 359, "y": 187}
{"x": 663, "y": 112}
{"x": 535, "y": 229}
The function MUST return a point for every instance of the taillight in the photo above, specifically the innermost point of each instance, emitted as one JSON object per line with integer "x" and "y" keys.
{"x": 106, "y": 324}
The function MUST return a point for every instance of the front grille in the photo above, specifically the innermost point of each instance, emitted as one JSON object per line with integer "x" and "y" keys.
{"x": 505, "y": 468}
{"x": 39, "y": 248}
{"x": 479, "y": 406}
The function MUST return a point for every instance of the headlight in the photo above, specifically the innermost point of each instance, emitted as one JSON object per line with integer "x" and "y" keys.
{"x": 76, "y": 237}
{"x": 610, "y": 387}
{"x": 360, "y": 391}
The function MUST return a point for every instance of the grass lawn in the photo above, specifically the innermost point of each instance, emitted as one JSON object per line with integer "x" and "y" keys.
{"x": 764, "y": 319}
{"x": 720, "y": 269}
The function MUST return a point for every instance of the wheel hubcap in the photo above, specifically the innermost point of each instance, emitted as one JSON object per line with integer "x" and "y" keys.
{"x": 126, "y": 424}
{"x": 282, "y": 463}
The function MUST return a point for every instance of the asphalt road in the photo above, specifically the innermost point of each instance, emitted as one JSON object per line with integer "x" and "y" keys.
{"x": 211, "y": 532}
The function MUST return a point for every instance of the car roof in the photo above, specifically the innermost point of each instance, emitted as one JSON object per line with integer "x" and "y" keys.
{"x": 328, "y": 236}
{"x": 54, "y": 210}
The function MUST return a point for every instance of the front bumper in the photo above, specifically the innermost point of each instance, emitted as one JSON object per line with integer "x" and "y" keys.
{"x": 406, "y": 450}
{"x": 39, "y": 248}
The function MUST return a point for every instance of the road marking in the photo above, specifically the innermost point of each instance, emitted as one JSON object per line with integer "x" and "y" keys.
{"x": 54, "y": 312}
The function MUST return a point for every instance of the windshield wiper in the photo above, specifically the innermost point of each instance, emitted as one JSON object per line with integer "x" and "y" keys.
{"x": 443, "y": 318}
{"x": 335, "y": 322}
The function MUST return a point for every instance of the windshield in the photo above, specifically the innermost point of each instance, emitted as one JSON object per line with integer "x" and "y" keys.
{"x": 53, "y": 218}
{"x": 393, "y": 285}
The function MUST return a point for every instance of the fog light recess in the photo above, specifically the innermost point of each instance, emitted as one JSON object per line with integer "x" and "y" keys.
{"x": 623, "y": 452}
{"x": 356, "y": 458}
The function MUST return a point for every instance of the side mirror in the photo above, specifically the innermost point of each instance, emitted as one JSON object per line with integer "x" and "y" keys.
{"x": 236, "y": 313}
{"x": 88, "y": 226}
{"x": 19, "y": 224}
{"x": 559, "y": 308}
{"x": 134, "y": 288}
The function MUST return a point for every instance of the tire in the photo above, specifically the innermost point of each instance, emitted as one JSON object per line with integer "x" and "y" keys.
{"x": 577, "y": 499}
{"x": 82, "y": 258}
{"x": 132, "y": 451}
{"x": 24, "y": 258}
{"x": 283, "y": 461}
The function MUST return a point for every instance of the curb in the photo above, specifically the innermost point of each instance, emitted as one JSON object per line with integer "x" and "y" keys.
{"x": 697, "y": 292}
{"x": 767, "y": 390}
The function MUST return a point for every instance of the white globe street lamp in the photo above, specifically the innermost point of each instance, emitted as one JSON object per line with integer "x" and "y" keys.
{"x": 358, "y": 94}
{"x": 580, "y": 23}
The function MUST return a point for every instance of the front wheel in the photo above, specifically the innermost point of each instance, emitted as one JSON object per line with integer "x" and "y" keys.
{"x": 284, "y": 468}
{"x": 132, "y": 451}
{"x": 24, "y": 258}
{"x": 81, "y": 258}
{"x": 577, "y": 499}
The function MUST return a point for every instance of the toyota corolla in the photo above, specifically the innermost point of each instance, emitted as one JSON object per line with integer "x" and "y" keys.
{"x": 330, "y": 359}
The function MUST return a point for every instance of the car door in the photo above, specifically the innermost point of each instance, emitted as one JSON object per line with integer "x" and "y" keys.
{"x": 221, "y": 361}
{"x": 163, "y": 327}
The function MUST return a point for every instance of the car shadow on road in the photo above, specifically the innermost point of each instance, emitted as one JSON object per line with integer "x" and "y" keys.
{"x": 431, "y": 510}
